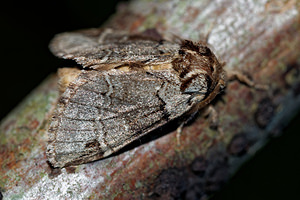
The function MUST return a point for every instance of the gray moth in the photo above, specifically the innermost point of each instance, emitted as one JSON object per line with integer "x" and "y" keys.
{"x": 128, "y": 85}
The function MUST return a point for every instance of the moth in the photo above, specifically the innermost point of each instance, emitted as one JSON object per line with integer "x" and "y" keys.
{"x": 128, "y": 85}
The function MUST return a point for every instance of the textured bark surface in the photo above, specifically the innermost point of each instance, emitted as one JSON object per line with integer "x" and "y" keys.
{"x": 259, "y": 38}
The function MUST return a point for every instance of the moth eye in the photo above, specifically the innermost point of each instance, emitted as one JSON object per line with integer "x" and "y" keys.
{"x": 181, "y": 52}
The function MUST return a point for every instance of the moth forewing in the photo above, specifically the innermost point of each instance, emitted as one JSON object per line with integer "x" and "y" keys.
{"x": 130, "y": 88}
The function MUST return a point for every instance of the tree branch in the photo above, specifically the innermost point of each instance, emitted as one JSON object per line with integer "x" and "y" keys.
{"x": 258, "y": 38}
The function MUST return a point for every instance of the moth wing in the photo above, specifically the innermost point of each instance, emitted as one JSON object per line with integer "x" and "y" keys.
{"x": 100, "y": 112}
{"x": 107, "y": 49}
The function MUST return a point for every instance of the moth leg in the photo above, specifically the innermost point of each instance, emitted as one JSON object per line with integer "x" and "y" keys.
{"x": 180, "y": 127}
{"x": 178, "y": 132}
{"x": 209, "y": 112}
{"x": 213, "y": 116}
{"x": 236, "y": 75}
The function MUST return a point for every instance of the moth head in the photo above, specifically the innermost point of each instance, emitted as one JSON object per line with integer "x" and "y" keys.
{"x": 198, "y": 69}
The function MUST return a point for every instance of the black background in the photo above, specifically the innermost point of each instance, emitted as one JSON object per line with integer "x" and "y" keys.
{"x": 28, "y": 26}
{"x": 26, "y": 29}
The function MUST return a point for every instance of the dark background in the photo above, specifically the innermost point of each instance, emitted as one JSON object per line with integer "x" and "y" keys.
{"x": 26, "y": 29}
{"x": 28, "y": 26}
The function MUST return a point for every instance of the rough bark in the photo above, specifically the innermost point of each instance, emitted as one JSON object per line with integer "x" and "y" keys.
{"x": 259, "y": 38}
